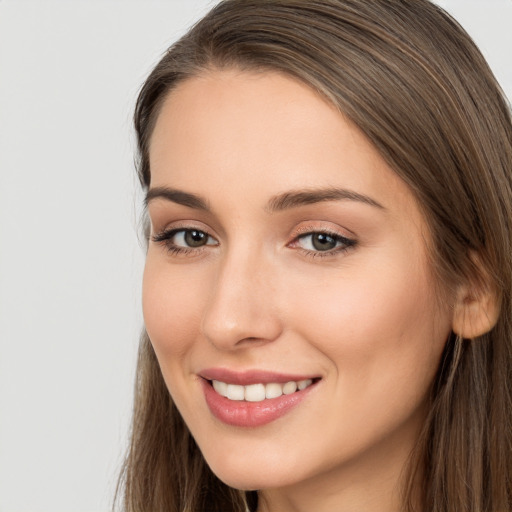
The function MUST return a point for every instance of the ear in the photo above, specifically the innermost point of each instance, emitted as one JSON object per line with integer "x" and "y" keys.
{"x": 476, "y": 307}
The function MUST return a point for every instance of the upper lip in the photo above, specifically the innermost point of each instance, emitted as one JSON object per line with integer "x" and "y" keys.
{"x": 247, "y": 377}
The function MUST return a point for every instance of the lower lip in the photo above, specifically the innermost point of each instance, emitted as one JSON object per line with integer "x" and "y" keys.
{"x": 240, "y": 413}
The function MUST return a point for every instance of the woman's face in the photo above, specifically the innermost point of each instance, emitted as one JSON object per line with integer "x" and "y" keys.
{"x": 284, "y": 250}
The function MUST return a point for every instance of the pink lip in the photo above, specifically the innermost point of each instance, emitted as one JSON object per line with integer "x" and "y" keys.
{"x": 244, "y": 378}
{"x": 240, "y": 413}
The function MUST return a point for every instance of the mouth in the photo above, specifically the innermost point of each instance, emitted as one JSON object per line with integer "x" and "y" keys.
{"x": 253, "y": 399}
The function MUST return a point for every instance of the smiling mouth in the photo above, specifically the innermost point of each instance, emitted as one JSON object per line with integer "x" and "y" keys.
{"x": 259, "y": 392}
{"x": 253, "y": 398}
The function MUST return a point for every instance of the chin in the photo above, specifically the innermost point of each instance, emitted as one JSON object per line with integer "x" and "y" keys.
{"x": 248, "y": 473}
{"x": 250, "y": 480}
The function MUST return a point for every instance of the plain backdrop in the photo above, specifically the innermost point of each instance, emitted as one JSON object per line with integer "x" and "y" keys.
{"x": 70, "y": 260}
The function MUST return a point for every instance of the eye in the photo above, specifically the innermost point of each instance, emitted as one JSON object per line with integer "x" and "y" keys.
{"x": 191, "y": 238}
{"x": 323, "y": 242}
{"x": 184, "y": 239}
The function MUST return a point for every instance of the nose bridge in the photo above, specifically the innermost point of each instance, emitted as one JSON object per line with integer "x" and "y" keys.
{"x": 241, "y": 306}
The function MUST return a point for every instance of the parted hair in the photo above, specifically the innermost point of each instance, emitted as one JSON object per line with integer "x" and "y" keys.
{"x": 416, "y": 85}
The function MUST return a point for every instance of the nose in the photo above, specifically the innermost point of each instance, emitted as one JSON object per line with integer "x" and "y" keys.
{"x": 242, "y": 308}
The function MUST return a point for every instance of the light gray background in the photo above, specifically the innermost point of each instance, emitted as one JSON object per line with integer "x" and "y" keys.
{"x": 70, "y": 264}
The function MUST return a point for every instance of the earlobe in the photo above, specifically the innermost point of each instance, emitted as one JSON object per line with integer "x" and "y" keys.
{"x": 476, "y": 310}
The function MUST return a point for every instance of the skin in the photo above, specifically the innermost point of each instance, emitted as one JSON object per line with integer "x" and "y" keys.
{"x": 259, "y": 295}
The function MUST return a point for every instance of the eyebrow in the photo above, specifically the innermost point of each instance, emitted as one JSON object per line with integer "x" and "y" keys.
{"x": 177, "y": 196}
{"x": 280, "y": 202}
{"x": 297, "y": 198}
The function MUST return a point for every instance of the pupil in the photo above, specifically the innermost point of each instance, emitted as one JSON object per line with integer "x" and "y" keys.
{"x": 195, "y": 238}
{"x": 323, "y": 242}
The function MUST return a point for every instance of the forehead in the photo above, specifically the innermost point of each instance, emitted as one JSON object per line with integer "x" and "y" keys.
{"x": 263, "y": 133}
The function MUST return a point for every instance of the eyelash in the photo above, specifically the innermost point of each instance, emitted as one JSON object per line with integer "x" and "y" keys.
{"x": 166, "y": 236}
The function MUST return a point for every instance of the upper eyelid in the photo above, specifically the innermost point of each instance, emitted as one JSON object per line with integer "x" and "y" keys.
{"x": 330, "y": 232}
{"x": 306, "y": 228}
{"x": 184, "y": 225}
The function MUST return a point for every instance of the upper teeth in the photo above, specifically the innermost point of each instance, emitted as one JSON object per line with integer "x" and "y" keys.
{"x": 259, "y": 392}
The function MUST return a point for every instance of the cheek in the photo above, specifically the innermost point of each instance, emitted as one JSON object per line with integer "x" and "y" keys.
{"x": 171, "y": 304}
{"x": 379, "y": 328}
{"x": 383, "y": 338}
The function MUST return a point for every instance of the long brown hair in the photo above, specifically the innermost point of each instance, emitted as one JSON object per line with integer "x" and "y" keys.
{"x": 414, "y": 82}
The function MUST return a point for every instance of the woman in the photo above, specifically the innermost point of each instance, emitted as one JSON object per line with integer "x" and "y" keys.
{"x": 327, "y": 284}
